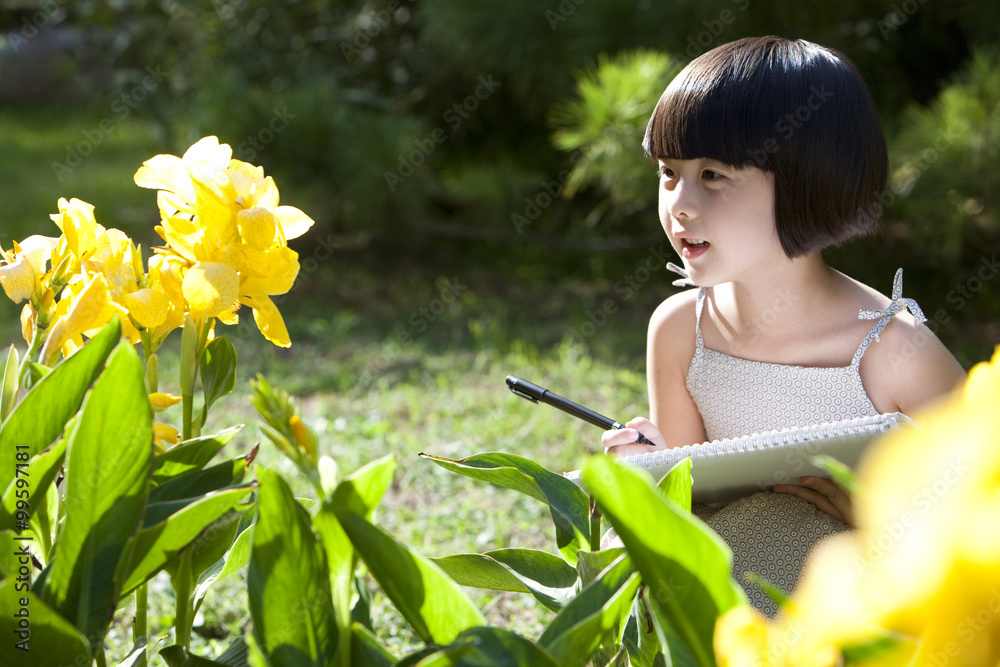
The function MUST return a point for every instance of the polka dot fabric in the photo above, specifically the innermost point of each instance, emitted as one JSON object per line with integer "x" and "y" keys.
{"x": 771, "y": 533}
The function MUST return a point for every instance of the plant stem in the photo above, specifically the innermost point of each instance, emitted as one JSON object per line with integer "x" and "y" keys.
{"x": 141, "y": 611}
{"x": 102, "y": 660}
{"x": 182, "y": 593}
{"x": 595, "y": 526}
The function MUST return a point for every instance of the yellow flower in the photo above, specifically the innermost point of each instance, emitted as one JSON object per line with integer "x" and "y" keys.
{"x": 932, "y": 550}
{"x": 90, "y": 309}
{"x": 226, "y": 234}
{"x": 304, "y": 437}
{"x": 76, "y": 220}
{"x": 164, "y": 435}
{"x": 25, "y": 265}
{"x": 160, "y": 401}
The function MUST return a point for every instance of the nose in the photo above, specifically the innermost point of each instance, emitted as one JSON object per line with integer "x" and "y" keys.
{"x": 679, "y": 200}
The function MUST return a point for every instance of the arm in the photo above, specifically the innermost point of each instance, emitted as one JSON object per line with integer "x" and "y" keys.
{"x": 670, "y": 346}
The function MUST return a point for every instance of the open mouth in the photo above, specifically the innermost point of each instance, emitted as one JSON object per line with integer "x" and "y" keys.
{"x": 691, "y": 248}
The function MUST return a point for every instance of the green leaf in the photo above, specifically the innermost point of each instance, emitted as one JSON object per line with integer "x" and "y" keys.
{"x": 218, "y": 371}
{"x": 235, "y": 559}
{"x": 136, "y": 657}
{"x": 190, "y": 455}
{"x": 685, "y": 565}
{"x": 366, "y": 651}
{"x": 41, "y": 471}
{"x": 43, "y": 412}
{"x": 110, "y": 462}
{"x": 640, "y": 638}
{"x": 178, "y": 656}
{"x": 429, "y": 601}
{"x": 288, "y": 583}
{"x": 362, "y": 491}
{"x": 568, "y": 504}
{"x": 548, "y": 578}
{"x": 488, "y": 647}
{"x": 8, "y": 384}
{"x": 592, "y": 563}
{"x": 840, "y": 472}
{"x": 676, "y": 484}
{"x": 199, "y": 482}
{"x": 158, "y": 544}
{"x": 580, "y": 627}
{"x": 53, "y": 639}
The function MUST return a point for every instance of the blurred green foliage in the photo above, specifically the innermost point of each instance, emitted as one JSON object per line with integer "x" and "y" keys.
{"x": 409, "y": 126}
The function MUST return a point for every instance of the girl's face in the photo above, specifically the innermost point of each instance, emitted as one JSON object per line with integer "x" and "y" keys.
{"x": 719, "y": 219}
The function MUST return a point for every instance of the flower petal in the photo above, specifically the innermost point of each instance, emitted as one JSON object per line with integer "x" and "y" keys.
{"x": 148, "y": 307}
{"x": 294, "y": 222}
{"x": 269, "y": 320}
{"x": 281, "y": 268}
{"x": 211, "y": 288}
{"x": 18, "y": 279}
{"x": 257, "y": 227}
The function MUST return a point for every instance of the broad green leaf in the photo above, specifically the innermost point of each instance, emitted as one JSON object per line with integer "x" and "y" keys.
{"x": 178, "y": 656}
{"x": 363, "y": 490}
{"x": 234, "y": 560}
{"x": 43, "y": 412}
{"x": 548, "y": 578}
{"x": 489, "y": 647}
{"x": 366, "y": 651}
{"x": 52, "y": 641}
{"x": 236, "y": 654}
{"x": 110, "y": 461}
{"x": 137, "y": 657}
{"x": 157, "y": 545}
{"x": 568, "y": 504}
{"x": 676, "y": 484}
{"x": 592, "y": 563}
{"x": 36, "y": 477}
{"x": 429, "y": 601}
{"x": 199, "y": 482}
{"x": 288, "y": 583}
{"x": 190, "y": 455}
{"x": 640, "y": 638}
{"x": 599, "y": 609}
{"x": 685, "y": 565}
{"x": 8, "y": 384}
{"x": 218, "y": 371}
{"x": 10, "y": 544}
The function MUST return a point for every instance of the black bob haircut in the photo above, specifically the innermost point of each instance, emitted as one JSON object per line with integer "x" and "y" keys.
{"x": 794, "y": 109}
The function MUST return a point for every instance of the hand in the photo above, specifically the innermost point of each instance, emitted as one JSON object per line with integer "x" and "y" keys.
{"x": 824, "y": 494}
{"x": 623, "y": 441}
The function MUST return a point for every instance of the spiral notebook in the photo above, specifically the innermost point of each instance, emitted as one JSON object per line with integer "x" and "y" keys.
{"x": 724, "y": 470}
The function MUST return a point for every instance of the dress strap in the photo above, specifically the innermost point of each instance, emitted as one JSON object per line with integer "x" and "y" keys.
{"x": 896, "y": 306}
{"x": 685, "y": 281}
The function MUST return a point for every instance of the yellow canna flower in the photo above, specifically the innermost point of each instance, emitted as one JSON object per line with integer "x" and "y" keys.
{"x": 932, "y": 557}
{"x": 81, "y": 230}
{"x": 160, "y": 401}
{"x": 164, "y": 436}
{"x": 304, "y": 436}
{"x": 23, "y": 268}
{"x": 223, "y": 226}
{"x": 90, "y": 310}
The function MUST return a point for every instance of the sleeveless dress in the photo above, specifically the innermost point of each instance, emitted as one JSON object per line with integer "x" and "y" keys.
{"x": 771, "y": 533}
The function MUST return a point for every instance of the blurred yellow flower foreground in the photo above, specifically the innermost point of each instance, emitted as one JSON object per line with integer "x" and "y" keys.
{"x": 921, "y": 574}
{"x": 226, "y": 247}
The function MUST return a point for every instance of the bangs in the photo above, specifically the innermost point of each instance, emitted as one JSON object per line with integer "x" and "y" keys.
{"x": 727, "y": 104}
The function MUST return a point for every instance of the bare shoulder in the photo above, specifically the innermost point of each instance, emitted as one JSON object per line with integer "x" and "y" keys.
{"x": 909, "y": 367}
{"x": 674, "y": 320}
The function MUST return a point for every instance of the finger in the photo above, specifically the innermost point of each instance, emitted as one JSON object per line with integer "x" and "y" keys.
{"x": 840, "y": 498}
{"x": 630, "y": 449}
{"x": 617, "y": 437}
{"x": 815, "y": 498}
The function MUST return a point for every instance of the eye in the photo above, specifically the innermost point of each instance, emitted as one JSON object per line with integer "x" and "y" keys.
{"x": 665, "y": 171}
{"x": 711, "y": 175}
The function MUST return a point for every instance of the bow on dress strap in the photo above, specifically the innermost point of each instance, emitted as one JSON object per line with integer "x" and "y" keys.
{"x": 898, "y": 305}
{"x": 684, "y": 280}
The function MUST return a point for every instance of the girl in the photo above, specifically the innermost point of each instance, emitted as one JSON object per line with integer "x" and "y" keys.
{"x": 769, "y": 151}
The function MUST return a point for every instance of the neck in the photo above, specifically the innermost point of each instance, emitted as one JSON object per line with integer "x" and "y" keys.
{"x": 779, "y": 299}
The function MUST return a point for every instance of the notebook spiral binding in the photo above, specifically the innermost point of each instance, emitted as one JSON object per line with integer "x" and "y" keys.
{"x": 849, "y": 429}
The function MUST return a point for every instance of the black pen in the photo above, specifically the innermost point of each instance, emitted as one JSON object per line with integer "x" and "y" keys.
{"x": 536, "y": 394}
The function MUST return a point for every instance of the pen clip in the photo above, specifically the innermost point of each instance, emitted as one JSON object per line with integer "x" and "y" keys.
{"x": 513, "y": 385}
